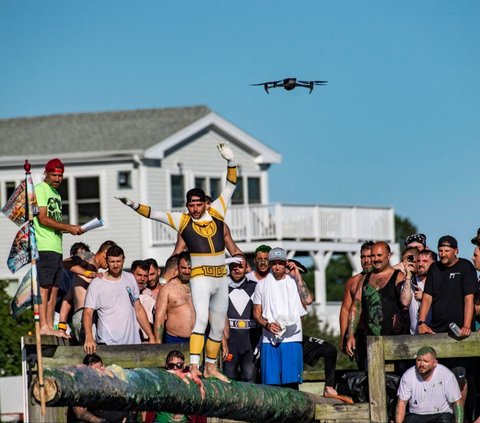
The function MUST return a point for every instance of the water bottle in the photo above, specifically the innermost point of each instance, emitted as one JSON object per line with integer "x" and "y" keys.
{"x": 454, "y": 328}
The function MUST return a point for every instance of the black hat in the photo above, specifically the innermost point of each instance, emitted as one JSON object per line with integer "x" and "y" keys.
{"x": 447, "y": 241}
{"x": 421, "y": 238}
{"x": 476, "y": 240}
{"x": 196, "y": 192}
{"x": 301, "y": 268}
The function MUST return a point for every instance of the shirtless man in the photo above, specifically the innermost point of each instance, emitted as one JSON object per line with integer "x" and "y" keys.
{"x": 381, "y": 296}
{"x": 175, "y": 315}
{"x": 351, "y": 287}
{"x": 170, "y": 270}
{"x": 85, "y": 267}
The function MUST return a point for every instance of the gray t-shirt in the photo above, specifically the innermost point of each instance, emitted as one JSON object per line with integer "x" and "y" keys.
{"x": 117, "y": 321}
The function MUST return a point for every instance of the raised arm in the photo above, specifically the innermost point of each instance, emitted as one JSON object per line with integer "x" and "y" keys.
{"x": 407, "y": 294}
{"x": 303, "y": 291}
{"x": 170, "y": 219}
{"x": 221, "y": 203}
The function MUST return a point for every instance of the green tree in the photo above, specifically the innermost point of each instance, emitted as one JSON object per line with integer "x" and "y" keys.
{"x": 338, "y": 271}
{"x": 403, "y": 228}
{"x": 11, "y": 331}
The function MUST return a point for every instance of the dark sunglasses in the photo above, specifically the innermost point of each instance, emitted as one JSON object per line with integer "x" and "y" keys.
{"x": 171, "y": 366}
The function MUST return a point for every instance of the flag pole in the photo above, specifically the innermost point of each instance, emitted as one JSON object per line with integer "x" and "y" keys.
{"x": 35, "y": 297}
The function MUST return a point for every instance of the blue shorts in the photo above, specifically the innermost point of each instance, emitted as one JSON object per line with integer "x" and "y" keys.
{"x": 172, "y": 339}
{"x": 282, "y": 363}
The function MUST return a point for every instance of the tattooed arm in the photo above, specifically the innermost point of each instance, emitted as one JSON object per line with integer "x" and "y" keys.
{"x": 303, "y": 291}
{"x": 354, "y": 319}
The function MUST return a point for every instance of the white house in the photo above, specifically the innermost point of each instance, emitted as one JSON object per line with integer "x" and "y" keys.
{"x": 154, "y": 157}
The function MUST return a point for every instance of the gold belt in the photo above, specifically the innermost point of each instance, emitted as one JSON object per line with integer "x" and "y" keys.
{"x": 211, "y": 271}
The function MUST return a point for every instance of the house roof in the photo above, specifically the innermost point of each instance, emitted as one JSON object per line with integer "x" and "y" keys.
{"x": 150, "y": 132}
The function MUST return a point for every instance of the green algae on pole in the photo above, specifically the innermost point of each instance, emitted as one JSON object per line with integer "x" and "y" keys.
{"x": 156, "y": 389}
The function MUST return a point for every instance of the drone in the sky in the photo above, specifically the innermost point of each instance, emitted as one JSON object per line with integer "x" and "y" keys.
{"x": 289, "y": 84}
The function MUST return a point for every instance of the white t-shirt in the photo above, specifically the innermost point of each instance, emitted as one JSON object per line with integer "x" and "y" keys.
{"x": 414, "y": 308}
{"x": 280, "y": 301}
{"x": 253, "y": 277}
{"x": 429, "y": 397}
{"x": 117, "y": 321}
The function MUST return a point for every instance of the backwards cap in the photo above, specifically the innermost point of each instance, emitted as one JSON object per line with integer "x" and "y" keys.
{"x": 53, "y": 165}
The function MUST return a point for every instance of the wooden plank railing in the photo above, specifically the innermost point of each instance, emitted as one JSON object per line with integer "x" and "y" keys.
{"x": 256, "y": 222}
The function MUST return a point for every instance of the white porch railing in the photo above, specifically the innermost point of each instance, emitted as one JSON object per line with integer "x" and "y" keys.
{"x": 299, "y": 222}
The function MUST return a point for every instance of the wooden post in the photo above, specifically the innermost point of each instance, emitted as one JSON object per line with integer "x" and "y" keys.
{"x": 376, "y": 380}
{"x": 35, "y": 292}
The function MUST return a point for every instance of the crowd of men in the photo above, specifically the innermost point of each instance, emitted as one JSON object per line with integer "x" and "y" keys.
{"x": 425, "y": 293}
{"x": 250, "y": 312}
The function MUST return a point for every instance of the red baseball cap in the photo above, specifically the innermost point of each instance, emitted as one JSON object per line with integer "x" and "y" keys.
{"x": 54, "y": 165}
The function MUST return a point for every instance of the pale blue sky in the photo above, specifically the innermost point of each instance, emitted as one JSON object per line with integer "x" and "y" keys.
{"x": 397, "y": 125}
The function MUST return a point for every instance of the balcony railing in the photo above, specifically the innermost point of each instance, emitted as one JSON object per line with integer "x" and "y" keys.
{"x": 299, "y": 222}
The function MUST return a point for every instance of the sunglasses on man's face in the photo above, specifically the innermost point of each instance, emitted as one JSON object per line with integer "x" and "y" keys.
{"x": 171, "y": 366}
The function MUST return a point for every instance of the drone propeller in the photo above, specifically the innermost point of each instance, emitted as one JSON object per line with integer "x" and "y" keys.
{"x": 313, "y": 82}
{"x": 267, "y": 83}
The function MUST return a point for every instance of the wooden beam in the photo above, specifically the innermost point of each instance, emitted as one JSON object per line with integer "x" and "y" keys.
{"x": 57, "y": 353}
{"x": 403, "y": 347}
{"x": 342, "y": 413}
{"x": 376, "y": 379}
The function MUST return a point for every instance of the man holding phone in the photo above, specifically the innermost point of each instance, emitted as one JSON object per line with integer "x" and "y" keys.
{"x": 418, "y": 274}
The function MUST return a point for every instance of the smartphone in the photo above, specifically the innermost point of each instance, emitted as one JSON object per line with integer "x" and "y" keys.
{"x": 411, "y": 258}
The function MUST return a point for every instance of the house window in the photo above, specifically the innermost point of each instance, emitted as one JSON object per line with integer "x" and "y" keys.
{"x": 88, "y": 198}
{"x": 254, "y": 196}
{"x": 211, "y": 186}
{"x": 10, "y": 188}
{"x": 86, "y": 202}
{"x": 215, "y": 188}
{"x": 201, "y": 183}
{"x": 124, "y": 179}
{"x": 176, "y": 182}
{"x": 237, "y": 197}
{"x": 63, "y": 191}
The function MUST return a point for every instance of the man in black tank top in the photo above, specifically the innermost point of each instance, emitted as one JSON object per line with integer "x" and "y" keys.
{"x": 380, "y": 297}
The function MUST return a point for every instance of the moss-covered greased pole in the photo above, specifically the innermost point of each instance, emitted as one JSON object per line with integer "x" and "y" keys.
{"x": 156, "y": 389}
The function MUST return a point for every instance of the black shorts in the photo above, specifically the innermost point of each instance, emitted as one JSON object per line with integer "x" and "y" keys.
{"x": 49, "y": 269}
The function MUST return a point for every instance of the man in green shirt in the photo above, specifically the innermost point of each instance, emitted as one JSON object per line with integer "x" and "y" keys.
{"x": 48, "y": 233}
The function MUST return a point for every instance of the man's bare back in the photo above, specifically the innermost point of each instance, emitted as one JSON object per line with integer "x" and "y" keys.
{"x": 175, "y": 309}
